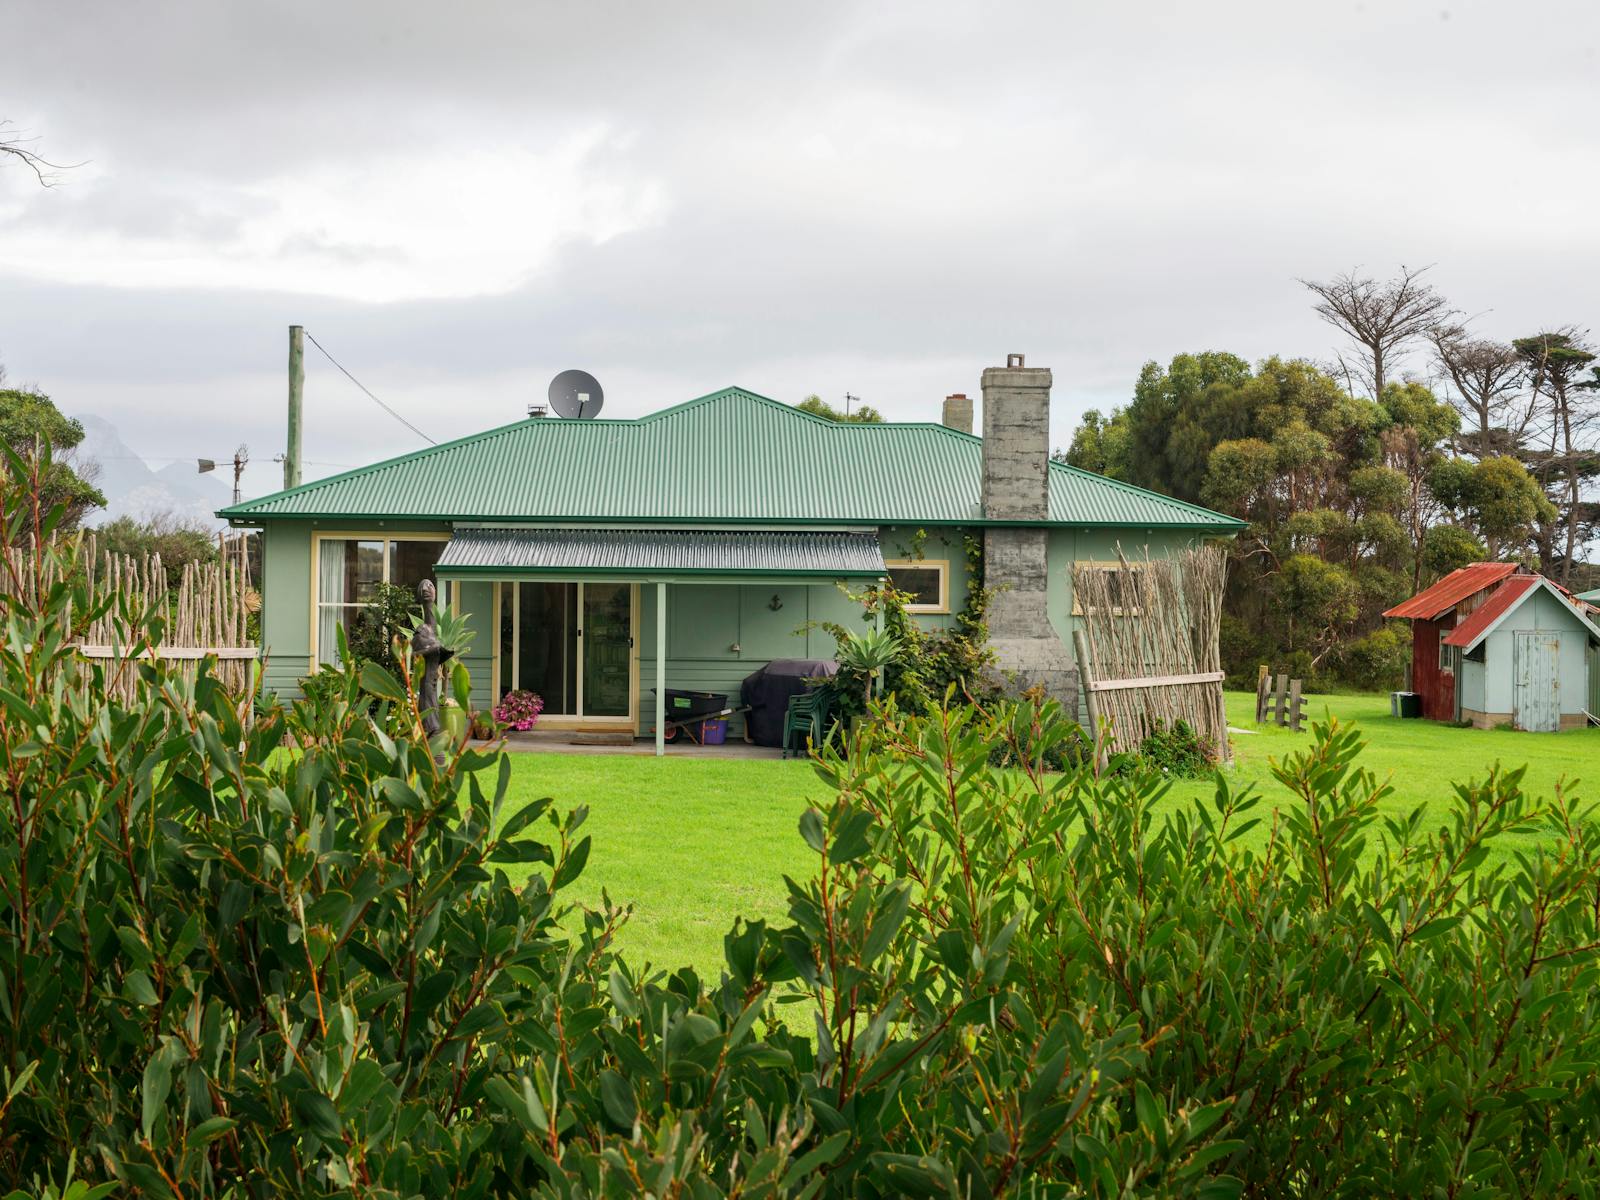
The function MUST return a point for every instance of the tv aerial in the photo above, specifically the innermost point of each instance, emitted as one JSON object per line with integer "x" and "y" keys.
{"x": 576, "y": 394}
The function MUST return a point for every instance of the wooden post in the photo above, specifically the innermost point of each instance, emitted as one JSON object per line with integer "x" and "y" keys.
{"x": 1091, "y": 699}
{"x": 1294, "y": 705}
{"x": 297, "y": 383}
{"x": 1262, "y": 673}
{"x": 1280, "y": 694}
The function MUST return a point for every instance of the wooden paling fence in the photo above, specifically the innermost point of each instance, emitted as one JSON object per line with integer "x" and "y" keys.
{"x": 205, "y": 614}
{"x": 1280, "y": 704}
{"x": 1148, "y": 647}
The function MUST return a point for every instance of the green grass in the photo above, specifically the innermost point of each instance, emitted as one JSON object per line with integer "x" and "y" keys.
{"x": 692, "y": 843}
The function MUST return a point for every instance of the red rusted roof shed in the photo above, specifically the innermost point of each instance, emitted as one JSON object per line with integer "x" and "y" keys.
{"x": 1430, "y": 603}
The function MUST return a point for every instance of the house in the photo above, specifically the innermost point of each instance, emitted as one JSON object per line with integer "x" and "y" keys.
{"x": 601, "y": 559}
{"x": 1493, "y": 644}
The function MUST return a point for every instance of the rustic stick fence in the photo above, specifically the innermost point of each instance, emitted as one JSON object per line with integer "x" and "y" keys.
{"x": 1148, "y": 647}
{"x": 205, "y": 613}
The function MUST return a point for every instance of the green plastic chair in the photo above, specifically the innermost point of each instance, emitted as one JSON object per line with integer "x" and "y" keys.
{"x": 807, "y": 714}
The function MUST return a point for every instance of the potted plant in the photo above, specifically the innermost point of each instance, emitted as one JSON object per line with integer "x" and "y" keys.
{"x": 519, "y": 709}
{"x": 868, "y": 654}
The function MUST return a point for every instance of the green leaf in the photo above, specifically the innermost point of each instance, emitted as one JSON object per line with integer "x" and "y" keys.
{"x": 813, "y": 830}
{"x": 622, "y": 995}
{"x": 380, "y": 683}
{"x": 138, "y": 988}
{"x": 210, "y": 1130}
{"x": 618, "y": 1100}
{"x": 156, "y": 1088}
{"x": 319, "y": 1115}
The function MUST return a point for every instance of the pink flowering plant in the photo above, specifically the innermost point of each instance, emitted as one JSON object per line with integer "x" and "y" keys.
{"x": 519, "y": 709}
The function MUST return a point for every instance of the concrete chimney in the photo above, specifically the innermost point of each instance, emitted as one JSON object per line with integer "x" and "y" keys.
{"x": 1016, "y": 488}
{"x": 958, "y": 412}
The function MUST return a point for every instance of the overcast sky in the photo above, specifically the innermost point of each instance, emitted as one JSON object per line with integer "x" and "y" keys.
{"x": 460, "y": 200}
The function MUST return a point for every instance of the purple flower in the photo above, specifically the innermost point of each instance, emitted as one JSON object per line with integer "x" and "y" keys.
{"x": 519, "y": 709}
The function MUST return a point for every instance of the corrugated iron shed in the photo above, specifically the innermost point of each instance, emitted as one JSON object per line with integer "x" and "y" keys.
{"x": 1505, "y": 598}
{"x": 1450, "y": 591}
{"x": 731, "y": 458}
{"x": 1502, "y": 600}
{"x": 662, "y": 552}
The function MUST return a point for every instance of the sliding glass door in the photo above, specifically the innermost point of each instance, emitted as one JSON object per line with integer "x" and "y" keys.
{"x": 572, "y": 643}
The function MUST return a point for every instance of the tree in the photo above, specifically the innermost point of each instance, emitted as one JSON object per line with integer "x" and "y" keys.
{"x": 1381, "y": 318}
{"x": 178, "y": 540}
{"x": 1497, "y": 497}
{"x": 818, "y": 407}
{"x": 1488, "y": 377}
{"x": 1100, "y": 445}
{"x": 29, "y": 418}
{"x": 1558, "y": 363}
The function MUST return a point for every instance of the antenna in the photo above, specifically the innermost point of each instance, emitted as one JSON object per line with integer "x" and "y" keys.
{"x": 847, "y": 398}
{"x": 576, "y": 394}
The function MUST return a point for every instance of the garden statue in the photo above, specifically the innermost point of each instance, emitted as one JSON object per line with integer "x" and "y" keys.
{"x": 425, "y": 644}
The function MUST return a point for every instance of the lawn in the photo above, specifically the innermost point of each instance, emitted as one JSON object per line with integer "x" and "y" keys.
{"x": 691, "y": 843}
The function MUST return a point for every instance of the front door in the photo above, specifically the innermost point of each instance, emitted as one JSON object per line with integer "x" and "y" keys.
{"x": 1536, "y": 680}
{"x": 572, "y": 643}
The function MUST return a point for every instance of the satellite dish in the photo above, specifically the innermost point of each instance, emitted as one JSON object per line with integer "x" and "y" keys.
{"x": 576, "y": 394}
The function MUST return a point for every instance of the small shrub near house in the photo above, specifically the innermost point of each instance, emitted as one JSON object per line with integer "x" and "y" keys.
{"x": 227, "y": 970}
{"x": 519, "y": 709}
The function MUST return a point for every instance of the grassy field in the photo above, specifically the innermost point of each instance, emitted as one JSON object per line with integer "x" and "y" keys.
{"x": 691, "y": 843}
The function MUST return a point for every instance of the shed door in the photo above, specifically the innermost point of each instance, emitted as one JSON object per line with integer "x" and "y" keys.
{"x": 1536, "y": 685}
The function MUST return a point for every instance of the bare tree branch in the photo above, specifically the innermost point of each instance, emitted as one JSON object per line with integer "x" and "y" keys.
{"x": 1488, "y": 378}
{"x": 15, "y": 147}
{"x": 1380, "y": 317}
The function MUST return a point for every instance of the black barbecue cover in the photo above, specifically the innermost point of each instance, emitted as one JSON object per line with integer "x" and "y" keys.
{"x": 767, "y": 693}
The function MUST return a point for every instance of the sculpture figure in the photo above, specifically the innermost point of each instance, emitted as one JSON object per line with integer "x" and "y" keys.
{"x": 425, "y": 645}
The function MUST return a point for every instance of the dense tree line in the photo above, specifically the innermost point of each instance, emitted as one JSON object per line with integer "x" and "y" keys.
{"x": 1363, "y": 480}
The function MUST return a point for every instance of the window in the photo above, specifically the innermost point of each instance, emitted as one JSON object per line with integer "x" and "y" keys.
{"x": 926, "y": 581}
{"x": 349, "y": 570}
{"x": 1447, "y": 659}
{"x": 1121, "y": 583}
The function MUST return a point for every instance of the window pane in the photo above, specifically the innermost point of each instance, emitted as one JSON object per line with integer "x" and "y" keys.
{"x": 348, "y": 571}
{"x": 507, "y": 624}
{"x": 329, "y": 618}
{"x": 548, "y": 640}
{"x": 412, "y": 562}
{"x": 921, "y": 582}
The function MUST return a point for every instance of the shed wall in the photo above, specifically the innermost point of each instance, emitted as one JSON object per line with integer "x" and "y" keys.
{"x": 1541, "y": 611}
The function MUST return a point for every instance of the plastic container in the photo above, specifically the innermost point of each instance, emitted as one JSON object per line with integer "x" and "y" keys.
{"x": 713, "y": 733}
{"x": 1405, "y": 704}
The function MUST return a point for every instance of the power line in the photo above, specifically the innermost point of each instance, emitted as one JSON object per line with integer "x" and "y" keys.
{"x": 368, "y": 391}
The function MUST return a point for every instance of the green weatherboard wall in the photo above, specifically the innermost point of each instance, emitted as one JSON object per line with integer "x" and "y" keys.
{"x": 704, "y": 620}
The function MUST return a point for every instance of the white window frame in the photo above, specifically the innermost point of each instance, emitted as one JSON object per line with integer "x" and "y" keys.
{"x": 1077, "y": 604}
{"x": 387, "y": 537}
{"x": 942, "y": 565}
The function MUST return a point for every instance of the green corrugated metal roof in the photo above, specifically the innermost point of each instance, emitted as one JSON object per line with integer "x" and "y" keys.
{"x": 1590, "y": 597}
{"x": 730, "y": 458}
{"x": 662, "y": 552}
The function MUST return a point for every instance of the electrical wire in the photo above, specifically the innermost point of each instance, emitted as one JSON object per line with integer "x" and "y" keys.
{"x": 368, "y": 391}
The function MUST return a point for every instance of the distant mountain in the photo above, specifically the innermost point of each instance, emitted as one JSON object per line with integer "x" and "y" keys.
{"x": 132, "y": 488}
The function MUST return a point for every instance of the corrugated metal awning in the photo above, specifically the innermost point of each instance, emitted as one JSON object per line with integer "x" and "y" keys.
{"x": 657, "y": 552}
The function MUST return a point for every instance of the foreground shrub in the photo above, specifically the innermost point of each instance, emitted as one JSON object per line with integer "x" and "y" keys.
{"x": 227, "y": 969}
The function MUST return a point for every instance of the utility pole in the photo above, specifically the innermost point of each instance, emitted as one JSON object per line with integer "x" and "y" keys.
{"x": 240, "y": 457}
{"x": 297, "y": 383}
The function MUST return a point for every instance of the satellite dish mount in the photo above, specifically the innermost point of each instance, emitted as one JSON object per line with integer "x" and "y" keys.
{"x": 576, "y": 394}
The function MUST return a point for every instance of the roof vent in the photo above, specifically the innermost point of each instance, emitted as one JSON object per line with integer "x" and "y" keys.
{"x": 538, "y": 410}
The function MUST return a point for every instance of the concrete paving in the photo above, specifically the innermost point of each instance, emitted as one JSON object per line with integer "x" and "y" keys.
{"x": 555, "y": 741}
